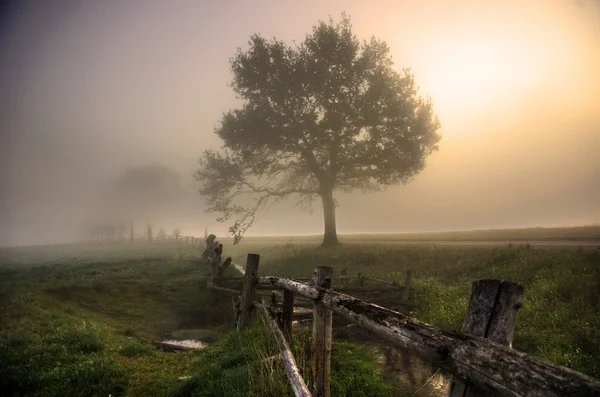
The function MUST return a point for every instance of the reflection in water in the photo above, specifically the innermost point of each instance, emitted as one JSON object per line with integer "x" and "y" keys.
{"x": 399, "y": 368}
{"x": 409, "y": 372}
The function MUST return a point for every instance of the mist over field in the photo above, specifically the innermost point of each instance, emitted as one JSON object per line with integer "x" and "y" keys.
{"x": 90, "y": 90}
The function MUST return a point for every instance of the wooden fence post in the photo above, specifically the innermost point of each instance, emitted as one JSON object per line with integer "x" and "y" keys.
{"x": 287, "y": 315}
{"x": 321, "y": 336}
{"x": 407, "y": 284}
{"x": 492, "y": 315}
{"x": 248, "y": 291}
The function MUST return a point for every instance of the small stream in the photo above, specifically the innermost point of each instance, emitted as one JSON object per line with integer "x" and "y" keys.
{"x": 399, "y": 368}
{"x": 408, "y": 371}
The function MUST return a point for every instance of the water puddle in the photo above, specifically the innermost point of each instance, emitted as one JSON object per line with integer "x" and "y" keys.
{"x": 191, "y": 338}
{"x": 400, "y": 368}
{"x": 190, "y": 344}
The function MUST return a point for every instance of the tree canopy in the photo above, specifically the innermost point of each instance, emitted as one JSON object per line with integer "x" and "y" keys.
{"x": 330, "y": 113}
{"x": 139, "y": 194}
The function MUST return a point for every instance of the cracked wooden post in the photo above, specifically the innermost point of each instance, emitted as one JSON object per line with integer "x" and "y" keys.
{"x": 321, "y": 336}
{"x": 407, "y": 285}
{"x": 288, "y": 312}
{"x": 492, "y": 315}
{"x": 248, "y": 291}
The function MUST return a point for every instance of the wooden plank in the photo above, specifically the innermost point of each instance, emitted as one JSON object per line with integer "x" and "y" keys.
{"x": 492, "y": 314}
{"x": 321, "y": 336}
{"x": 288, "y": 312}
{"x": 391, "y": 283}
{"x": 248, "y": 291}
{"x": 271, "y": 282}
{"x": 488, "y": 365}
{"x": 291, "y": 369}
{"x": 302, "y": 312}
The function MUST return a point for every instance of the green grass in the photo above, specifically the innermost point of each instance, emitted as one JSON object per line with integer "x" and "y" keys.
{"x": 560, "y": 318}
{"x": 237, "y": 367}
{"x": 79, "y": 320}
{"x": 574, "y": 233}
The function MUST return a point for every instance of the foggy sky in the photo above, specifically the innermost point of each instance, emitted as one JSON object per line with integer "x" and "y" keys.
{"x": 91, "y": 87}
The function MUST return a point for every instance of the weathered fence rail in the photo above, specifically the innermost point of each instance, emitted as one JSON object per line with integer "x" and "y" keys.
{"x": 291, "y": 368}
{"x": 385, "y": 293}
{"x": 482, "y": 366}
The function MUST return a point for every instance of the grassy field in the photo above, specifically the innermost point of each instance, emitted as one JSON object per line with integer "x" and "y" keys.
{"x": 78, "y": 320}
{"x": 560, "y": 318}
{"x": 576, "y": 233}
{"x": 75, "y": 320}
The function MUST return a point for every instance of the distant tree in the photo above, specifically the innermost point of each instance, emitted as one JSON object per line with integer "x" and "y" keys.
{"x": 145, "y": 194}
{"x": 120, "y": 229}
{"x": 147, "y": 186}
{"x": 176, "y": 233}
{"x": 105, "y": 231}
{"x": 328, "y": 114}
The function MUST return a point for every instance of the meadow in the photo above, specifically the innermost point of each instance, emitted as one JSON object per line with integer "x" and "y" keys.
{"x": 79, "y": 319}
{"x": 590, "y": 233}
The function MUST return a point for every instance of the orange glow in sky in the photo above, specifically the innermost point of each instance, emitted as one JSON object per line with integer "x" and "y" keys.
{"x": 94, "y": 87}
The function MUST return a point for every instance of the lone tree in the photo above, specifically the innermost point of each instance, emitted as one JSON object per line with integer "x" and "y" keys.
{"x": 328, "y": 114}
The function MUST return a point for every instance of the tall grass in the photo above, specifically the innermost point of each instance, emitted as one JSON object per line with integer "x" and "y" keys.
{"x": 242, "y": 364}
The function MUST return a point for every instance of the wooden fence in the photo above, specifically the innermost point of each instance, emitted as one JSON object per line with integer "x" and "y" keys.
{"x": 480, "y": 358}
{"x": 191, "y": 240}
{"x": 381, "y": 292}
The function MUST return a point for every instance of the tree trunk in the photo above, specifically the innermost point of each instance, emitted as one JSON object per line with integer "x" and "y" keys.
{"x": 330, "y": 236}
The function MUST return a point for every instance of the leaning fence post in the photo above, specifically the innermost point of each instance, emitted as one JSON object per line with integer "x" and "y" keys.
{"x": 321, "y": 336}
{"x": 492, "y": 314}
{"x": 248, "y": 291}
{"x": 407, "y": 285}
{"x": 287, "y": 315}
